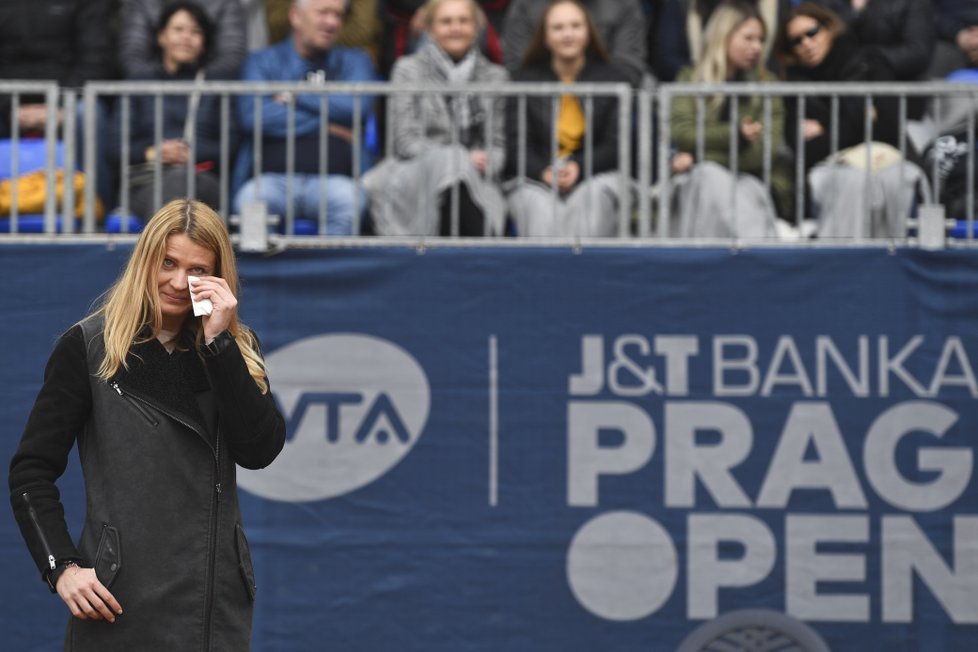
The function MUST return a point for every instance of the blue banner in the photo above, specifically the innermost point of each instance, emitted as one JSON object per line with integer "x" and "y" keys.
{"x": 607, "y": 449}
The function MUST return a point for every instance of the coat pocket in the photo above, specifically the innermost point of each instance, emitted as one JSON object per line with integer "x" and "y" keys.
{"x": 244, "y": 561}
{"x": 108, "y": 557}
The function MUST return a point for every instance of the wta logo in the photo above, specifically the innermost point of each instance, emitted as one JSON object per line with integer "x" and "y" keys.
{"x": 354, "y": 407}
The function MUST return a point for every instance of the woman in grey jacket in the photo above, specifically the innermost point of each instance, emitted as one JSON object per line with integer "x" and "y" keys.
{"x": 162, "y": 404}
{"x": 448, "y": 148}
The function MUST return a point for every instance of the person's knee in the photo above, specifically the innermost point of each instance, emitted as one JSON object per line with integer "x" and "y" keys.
{"x": 246, "y": 194}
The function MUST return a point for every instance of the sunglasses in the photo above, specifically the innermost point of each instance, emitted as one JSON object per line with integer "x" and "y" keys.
{"x": 795, "y": 41}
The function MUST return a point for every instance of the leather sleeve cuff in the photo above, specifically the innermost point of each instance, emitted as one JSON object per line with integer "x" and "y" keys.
{"x": 218, "y": 346}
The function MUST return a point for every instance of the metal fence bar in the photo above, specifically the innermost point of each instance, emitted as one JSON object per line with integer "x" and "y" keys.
{"x": 91, "y": 139}
{"x": 644, "y": 165}
{"x": 225, "y": 155}
{"x": 665, "y": 98}
{"x": 970, "y": 193}
{"x": 158, "y": 148}
{"x": 68, "y": 196}
{"x": 14, "y": 164}
{"x": 624, "y": 160}
{"x": 51, "y": 98}
{"x": 124, "y": 156}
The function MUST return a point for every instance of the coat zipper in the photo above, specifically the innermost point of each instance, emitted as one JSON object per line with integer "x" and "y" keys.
{"x": 133, "y": 402}
{"x": 52, "y": 562}
{"x": 212, "y": 553}
{"x": 212, "y": 559}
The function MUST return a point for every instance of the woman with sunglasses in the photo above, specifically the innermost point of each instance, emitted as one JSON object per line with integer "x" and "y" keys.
{"x": 814, "y": 45}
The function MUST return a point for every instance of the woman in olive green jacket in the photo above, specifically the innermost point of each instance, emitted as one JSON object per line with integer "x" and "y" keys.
{"x": 733, "y": 52}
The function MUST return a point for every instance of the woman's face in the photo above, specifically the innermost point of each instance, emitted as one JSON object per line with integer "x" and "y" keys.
{"x": 453, "y": 28}
{"x": 183, "y": 258}
{"x": 809, "y": 40}
{"x": 182, "y": 40}
{"x": 566, "y": 31}
{"x": 745, "y": 45}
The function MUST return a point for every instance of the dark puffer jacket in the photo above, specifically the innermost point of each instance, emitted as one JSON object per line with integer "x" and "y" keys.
{"x": 158, "y": 447}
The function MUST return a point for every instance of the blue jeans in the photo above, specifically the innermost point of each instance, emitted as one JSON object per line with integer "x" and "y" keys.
{"x": 340, "y": 191}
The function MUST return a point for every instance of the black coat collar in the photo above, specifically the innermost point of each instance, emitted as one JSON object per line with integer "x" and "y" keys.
{"x": 170, "y": 380}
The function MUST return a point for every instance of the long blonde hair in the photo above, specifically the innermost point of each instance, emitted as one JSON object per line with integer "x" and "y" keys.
{"x": 712, "y": 66}
{"x": 131, "y": 307}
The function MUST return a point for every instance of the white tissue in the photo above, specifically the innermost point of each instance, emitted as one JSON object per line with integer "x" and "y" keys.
{"x": 202, "y": 307}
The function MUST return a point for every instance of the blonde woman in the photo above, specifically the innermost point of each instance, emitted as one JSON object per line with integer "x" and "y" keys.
{"x": 732, "y": 52}
{"x": 162, "y": 404}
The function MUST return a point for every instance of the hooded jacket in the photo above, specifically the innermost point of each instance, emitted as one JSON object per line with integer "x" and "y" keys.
{"x": 158, "y": 446}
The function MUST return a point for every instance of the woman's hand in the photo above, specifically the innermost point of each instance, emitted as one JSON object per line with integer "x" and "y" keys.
{"x": 812, "y": 129}
{"x": 174, "y": 152}
{"x": 225, "y": 304}
{"x": 682, "y": 162}
{"x": 751, "y": 129}
{"x": 479, "y": 159}
{"x": 87, "y": 598}
{"x": 568, "y": 172}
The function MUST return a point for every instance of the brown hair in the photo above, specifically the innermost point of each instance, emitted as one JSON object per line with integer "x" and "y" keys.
{"x": 537, "y": 51}
{"x": 824, "y": 16}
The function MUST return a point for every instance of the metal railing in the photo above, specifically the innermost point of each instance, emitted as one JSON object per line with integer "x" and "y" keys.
{"x": 644, "y": 126}
{"x": 664, "y": 95}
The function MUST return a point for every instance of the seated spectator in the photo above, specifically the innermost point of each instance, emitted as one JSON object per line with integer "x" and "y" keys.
{"x": 619, "y": 23}
{"x": 439, "y": 140}
{"x": 309, "y": 53}
{"x": 898, "y": 33}
{"x": 139, "y": 32}
{"x": 956, "y": 23}
{"x": 816, "y": 47}
{"x": 679, "y": 32}
{"x": 183, "y": 44}
{"x": 712, "y": 202}
{"x": 556, "y": 198}
{"x": 60, "y": 40}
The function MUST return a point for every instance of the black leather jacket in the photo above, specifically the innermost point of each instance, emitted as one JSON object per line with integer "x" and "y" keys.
{"x": 158, "y": 447}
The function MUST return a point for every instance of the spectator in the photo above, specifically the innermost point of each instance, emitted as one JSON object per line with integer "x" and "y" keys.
{"x": 619, "y": 23}
{"x": 183, "y": 39}
{"x": 565, "y": 47}
{"x": 679, "y": 36}
{"x": 60, "y": 40}
{"x": 815, "y": 47}
{"x": 733, "y": 50}
{"x": 957, "y": 36}
{"x": 139, "y": 31}
{"x": 309, "y": 53}
{"x": 439, "y": 141}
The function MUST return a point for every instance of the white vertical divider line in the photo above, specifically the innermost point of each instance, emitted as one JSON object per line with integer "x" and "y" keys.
{"x": 493, "y": 424}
